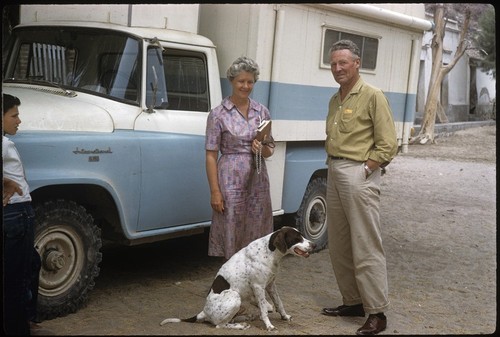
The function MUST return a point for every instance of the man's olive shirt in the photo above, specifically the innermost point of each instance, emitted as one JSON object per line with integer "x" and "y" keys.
{"x": 361, "y": 126}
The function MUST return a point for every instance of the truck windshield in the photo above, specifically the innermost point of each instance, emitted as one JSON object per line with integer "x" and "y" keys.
{"x": 98, "y": 61}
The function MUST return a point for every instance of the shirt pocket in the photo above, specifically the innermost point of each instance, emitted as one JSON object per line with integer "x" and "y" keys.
{"x": 347, "y": 120}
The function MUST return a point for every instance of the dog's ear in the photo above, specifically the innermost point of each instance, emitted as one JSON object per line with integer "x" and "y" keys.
{"x": 277, "y": 240}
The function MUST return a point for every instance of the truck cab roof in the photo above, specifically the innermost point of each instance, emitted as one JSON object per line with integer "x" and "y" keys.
{"x": 170, "y": 35}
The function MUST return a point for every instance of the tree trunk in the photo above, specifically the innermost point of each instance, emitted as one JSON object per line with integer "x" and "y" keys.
{"x": 426, "y": 133}
{"x": 438, "y": 72}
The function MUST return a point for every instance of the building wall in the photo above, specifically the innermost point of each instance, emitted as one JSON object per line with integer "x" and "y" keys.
{"x": 467, "y": 93}
{"x": 485, "y": 90}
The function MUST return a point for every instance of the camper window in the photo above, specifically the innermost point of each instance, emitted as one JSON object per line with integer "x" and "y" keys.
{"x": 368, "y": 47}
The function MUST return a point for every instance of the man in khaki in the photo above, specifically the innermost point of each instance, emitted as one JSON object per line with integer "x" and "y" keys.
{"x": 361, "y": 139}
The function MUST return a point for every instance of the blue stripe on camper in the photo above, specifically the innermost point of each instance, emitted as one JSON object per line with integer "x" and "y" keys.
{"x": 306, "y": 102}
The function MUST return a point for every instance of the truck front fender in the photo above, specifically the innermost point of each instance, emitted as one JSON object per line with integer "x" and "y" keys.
{"x": 94, "y": 193}
{"x": 81, "y": 164}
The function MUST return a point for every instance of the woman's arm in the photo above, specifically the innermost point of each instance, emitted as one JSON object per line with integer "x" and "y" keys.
{"x": 216, "y": 199}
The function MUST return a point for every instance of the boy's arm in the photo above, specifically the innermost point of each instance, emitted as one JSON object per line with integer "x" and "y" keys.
{"x": 9, "y": 188}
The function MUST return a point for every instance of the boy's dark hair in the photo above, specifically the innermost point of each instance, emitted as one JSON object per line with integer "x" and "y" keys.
{"x": 9, "y": 102}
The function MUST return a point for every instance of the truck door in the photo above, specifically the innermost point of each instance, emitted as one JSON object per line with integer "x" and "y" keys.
{"x": 174, "y": 189}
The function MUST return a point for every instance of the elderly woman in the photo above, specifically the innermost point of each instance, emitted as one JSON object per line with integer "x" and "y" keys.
{"x": 239, "y": 183}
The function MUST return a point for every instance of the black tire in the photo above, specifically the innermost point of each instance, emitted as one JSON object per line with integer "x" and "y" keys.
{"x": 69, "y": 245}
{"x": 310, "y": 219}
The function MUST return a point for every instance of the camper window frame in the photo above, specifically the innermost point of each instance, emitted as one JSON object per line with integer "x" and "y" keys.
{"x": 325, "y": 47}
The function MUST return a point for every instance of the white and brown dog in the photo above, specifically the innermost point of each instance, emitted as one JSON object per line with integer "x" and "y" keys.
{"x": 244, "y": 279}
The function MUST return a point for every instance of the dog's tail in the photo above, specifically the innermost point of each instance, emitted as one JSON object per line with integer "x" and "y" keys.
{"x": 178, "y": 320}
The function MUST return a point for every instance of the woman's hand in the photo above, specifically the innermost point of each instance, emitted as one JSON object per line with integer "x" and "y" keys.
{"x": 217, "y": 202}
{"x": 256, "y": 146}
{"x": 267, "y": 150}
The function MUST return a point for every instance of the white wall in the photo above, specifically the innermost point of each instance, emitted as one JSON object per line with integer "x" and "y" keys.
{"x": 485, "y": 82}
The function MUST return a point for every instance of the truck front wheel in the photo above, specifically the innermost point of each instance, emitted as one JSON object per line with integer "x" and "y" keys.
{"x": 69, "y": 245}
{"x": 311, "y": 216}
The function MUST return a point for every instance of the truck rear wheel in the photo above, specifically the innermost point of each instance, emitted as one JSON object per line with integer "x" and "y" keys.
{"x": 311, "y": 216}
{"x": 69, "y": 245}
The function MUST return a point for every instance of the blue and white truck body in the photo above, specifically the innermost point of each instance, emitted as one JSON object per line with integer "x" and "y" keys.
{"x": 114, "y": 106}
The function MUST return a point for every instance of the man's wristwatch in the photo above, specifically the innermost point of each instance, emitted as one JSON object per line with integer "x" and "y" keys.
{"x": 367, "y": 168}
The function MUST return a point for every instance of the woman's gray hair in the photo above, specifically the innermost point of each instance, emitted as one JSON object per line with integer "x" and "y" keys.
{"x": 346, "y": 44}
{"x": 243, "y": 63}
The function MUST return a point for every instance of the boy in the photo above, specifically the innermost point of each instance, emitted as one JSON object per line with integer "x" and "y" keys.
{"x": 21, "y": 260}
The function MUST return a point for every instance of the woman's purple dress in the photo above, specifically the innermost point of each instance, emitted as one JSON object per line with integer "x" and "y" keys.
{"x": 247, "y": 199}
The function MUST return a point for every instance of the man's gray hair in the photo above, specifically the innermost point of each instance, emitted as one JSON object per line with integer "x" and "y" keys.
{"x": 346, "y": 44}
{"x": 243, "y": 63}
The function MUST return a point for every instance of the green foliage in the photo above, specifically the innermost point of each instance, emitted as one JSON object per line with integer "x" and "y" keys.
{"x": 486, "y": 40}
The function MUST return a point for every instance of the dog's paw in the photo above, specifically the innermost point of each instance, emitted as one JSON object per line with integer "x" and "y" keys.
{"x": 237, "y": 326}
{"x": 286, "y": 318}
{"x": 271, "y": 327}
{"x": 245, "y": 326}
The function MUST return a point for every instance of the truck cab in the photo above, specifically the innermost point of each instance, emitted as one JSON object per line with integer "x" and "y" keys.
{"x": 112, "y": 140}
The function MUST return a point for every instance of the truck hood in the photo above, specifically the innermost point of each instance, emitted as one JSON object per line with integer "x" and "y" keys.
{"x": 48, "y": 109}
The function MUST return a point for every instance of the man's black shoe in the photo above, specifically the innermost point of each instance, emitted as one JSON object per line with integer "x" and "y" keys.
{"x": 373, "y": 325}
{"x": 345, "y": 310}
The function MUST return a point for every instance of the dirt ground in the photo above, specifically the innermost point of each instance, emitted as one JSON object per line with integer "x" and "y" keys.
{"x": 439, "y": 229}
